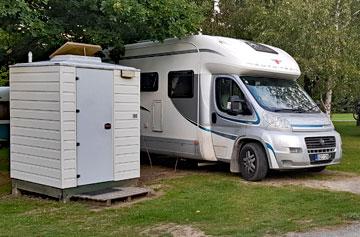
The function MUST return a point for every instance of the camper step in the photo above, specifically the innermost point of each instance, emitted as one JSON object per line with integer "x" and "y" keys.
{"x": 109, "y": 195}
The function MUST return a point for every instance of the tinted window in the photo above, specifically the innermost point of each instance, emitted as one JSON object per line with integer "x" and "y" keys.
{"x": 149, "y": 81}
{"x": 226, "y": 87}
{"x": 181, "y": 84}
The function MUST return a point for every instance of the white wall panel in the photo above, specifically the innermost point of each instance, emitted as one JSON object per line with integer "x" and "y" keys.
{"x": 35, "y": 125}
{"x": 127, "y": 127}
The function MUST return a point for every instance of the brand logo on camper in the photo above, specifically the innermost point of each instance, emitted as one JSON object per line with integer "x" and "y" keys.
{"x": 277, "y": 61}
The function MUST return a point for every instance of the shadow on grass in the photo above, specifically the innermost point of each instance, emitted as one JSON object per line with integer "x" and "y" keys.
{"x": 164, "y": 166}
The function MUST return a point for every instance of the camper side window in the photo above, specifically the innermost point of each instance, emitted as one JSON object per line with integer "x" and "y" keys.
{"x": 149, "y": 81}
{"x": 225, "y": 88}
{"x": 181, "y": 84}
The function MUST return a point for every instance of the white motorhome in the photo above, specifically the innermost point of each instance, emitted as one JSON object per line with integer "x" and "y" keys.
{"x": 222, "y": 99}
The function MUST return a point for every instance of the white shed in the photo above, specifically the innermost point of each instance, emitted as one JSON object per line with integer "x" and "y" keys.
{"x": 74, "y": 123}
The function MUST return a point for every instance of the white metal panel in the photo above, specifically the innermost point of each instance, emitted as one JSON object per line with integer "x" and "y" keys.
{"x": 126, "y": 98}
{"x": 126, "y": 132}
{"x": 126, "y": 149}
{"x": 35, "y": 114}
{"x": 127, "y": 127}
{"x": 123, "y": 124}
{"x": 35, "y": 105}
{"x": 94, "y": 100}
{"x": 36, "y": 142}
{"x": 35, "y": 125}
{"x": 68, "y": 126}
{"x": 35, "y": 151}
{"x": 41, "y": 86}
{"x": 36, "y": 133}
{"x": 35, "y": 178}
{"x": 127, "y": 140}
{"x": 127, "y": 174}
{"x": 36, "y": 160}
{"x": 126, "y": 106}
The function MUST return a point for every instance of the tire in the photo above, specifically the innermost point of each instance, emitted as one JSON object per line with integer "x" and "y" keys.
{"x": 317, "y": 169}
{"x": 253, "y": 162}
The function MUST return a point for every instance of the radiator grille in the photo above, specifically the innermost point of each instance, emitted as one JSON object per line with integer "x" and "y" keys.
{"x": 320, "y": 142}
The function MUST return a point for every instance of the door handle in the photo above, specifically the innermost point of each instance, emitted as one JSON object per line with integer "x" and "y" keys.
{"x": 213, "y": 117}
{"x": 107, "y": 125}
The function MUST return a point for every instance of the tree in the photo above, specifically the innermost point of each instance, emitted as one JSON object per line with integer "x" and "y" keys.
{"x": 43, "y": 25}
{"x": 322, "y": 36}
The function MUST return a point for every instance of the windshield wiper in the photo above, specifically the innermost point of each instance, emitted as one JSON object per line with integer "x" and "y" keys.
{"x": 309, "y": 109}
{"x": 296, "y": 110}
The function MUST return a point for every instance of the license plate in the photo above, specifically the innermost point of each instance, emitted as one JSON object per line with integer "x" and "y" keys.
{"x": 321, "y": 157}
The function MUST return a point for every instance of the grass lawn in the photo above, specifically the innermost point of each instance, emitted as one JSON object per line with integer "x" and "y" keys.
{"x": 350, "y": 135}
{"x": 342, "y": 117}
{"x": 218, "y": 203}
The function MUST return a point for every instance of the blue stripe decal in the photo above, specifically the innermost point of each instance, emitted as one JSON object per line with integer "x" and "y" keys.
{"x": 307, "y": 126}
{"x": 271, "y": 148}
{"x": 230, "y": 136}
{"x": 243, "y": 121}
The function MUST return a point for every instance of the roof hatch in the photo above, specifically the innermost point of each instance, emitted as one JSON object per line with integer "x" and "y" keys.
{"x": 260, "y": 47}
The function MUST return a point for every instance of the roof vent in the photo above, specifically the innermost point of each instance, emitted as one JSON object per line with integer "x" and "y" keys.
{"x": 260, "y": 47}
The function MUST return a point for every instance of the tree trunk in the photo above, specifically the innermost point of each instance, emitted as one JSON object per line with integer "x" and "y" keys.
{"x": 328, "y": 97}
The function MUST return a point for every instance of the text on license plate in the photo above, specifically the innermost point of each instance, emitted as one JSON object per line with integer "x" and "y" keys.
{"x": 323, "y": 157}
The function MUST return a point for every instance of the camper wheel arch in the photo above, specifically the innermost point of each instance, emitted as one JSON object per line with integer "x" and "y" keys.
{"x": 240, "y": 142}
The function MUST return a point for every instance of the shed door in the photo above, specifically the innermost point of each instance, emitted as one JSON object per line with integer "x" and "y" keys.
{"x": 94, "y": 102}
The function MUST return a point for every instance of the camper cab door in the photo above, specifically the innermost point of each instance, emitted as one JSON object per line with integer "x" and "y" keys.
{"x": 228, "y": 115}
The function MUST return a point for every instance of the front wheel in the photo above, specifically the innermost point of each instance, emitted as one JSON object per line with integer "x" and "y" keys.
{"x": 253, "y": 162}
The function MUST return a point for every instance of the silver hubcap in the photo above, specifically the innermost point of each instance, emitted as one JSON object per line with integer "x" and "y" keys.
{"x": 249, "y": 162}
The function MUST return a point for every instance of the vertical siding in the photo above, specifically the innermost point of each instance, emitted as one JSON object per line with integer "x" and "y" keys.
{"x": 68, "y": 126}
{"x": 126, "y": 126}
{"x": 35, "y": 125}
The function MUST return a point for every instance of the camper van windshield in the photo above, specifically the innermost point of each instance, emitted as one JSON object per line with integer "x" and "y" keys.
{"x": 280, "y": 95}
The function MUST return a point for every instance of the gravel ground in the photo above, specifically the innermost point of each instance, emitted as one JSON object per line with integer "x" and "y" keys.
{"x": 332, "y": 181}
{"x": 352, "y": 230}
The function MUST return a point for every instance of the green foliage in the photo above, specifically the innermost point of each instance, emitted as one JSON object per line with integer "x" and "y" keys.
{"x": 43, "y": 25}
{"x": 321, "y": 35}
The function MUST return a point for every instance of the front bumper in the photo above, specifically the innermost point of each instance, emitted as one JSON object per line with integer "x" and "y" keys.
{"x": 289, "y": 151}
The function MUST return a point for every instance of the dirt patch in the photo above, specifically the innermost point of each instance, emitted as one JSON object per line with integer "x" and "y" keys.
{"x": 151, "y": 174}
{"x": 173, "y": 230}
{"x": 4, "y": 178}
{"x": 352, "y": 230}
{"x": 329, "y": 180}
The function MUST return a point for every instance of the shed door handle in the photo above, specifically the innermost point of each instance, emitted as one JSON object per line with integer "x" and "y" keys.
{"x": 107, "y": 126}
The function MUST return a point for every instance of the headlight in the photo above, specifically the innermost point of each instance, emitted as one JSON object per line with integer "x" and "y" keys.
{"x": 275, "y": 121}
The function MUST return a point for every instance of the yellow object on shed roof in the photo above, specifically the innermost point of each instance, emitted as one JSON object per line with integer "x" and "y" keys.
{"x": 77, "y": 49}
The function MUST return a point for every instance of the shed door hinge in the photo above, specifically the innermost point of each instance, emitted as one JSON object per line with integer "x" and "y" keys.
{"x": 78, "y": 144}
{"x": 77, "y": 78}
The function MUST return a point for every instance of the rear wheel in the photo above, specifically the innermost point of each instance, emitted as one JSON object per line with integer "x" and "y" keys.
{"x": 253, "y": 162}
{"x": 317, "y": 169}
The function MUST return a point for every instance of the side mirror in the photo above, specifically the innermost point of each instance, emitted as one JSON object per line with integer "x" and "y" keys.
{"x": 235, "y": 105}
